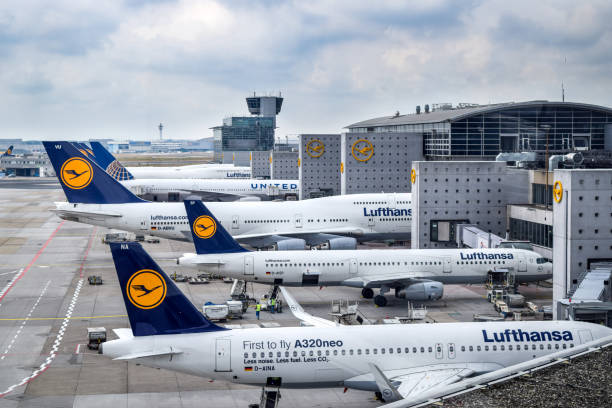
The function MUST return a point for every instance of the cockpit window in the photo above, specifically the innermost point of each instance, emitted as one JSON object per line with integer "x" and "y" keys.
{"x": 541, "y": 260}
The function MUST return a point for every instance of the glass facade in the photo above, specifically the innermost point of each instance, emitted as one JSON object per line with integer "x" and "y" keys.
{"x": 511, "y": 128}
{"x": 540, "y": 195}
{"x": 525, "y": 129}
{"x": 253, "y": 133}
{"x": 538, "y": 234}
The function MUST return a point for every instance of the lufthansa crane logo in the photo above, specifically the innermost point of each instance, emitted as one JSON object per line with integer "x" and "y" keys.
{"x": 76, "y": 173}
{"x": 315, "y": 148}
{"x": 204, "y": 227}
{"x": 146, "y": 289}
{"x": 362, "y": 150}
{"x": 413, "y": 175}
{"x": 558, "y": 191}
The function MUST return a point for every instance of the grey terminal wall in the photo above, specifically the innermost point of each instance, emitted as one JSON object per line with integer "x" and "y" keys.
{"x": 378, "y": 162}
{"x": 319, "y": 167}
{"x": 476, "y": 192}
{"x": 284, "y": 165}
{"x": 582, "y": 225}
{"x": 260, "y": 164}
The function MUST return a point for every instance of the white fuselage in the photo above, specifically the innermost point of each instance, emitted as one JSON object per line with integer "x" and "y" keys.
{"x": 221, "y": 187}
{"x": 364, "y": 216}
{"x": 195, "y": 171}
{"x": 339, "y": 356}
{"x": 358, "y": 267}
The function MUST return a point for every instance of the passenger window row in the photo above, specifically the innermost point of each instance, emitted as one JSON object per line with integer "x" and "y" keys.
{"x": 407, "y": 350}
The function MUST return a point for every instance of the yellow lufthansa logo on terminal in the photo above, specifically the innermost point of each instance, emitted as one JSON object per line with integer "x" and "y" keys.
{"x": 413, "y": 175}
{"x": 362, "y": 150}
{"x": 558, "y": 191}
{"x": 146, "y": 289}
{"x": 315, "y": 148}
{"x": 204, "y": 227}
{"x": 76, "y": 173}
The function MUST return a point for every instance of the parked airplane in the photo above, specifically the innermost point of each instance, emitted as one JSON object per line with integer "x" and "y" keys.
{"x": 8, "y": 152}
{"x": 415, "y": 274}
{"x": 395, "y": 361}
{"x": 202, "y": 171}
{"x": 207, "y": 189}
{"x": 213, "y": 189}
{"x": 334, "y": 222}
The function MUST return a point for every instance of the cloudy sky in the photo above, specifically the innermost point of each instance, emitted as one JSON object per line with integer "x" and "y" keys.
{"x": 115, "y": 69}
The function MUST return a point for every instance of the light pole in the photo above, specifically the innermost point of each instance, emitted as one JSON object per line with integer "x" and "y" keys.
{"x": 160, "y": 127}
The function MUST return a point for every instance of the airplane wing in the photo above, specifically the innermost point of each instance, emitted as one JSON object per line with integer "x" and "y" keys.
{"x": 293, "y": 233}
{"x": 399, "y": 279}
{"x": 301, "y": 314}
{"x": 437, "y": 394}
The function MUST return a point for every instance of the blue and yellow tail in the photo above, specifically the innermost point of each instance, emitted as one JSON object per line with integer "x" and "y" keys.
{"x": 9, "y": 151}
{"x": 209, "y": 236}
{"x": 87, "y": 152}
{"x": 154, "y": 304}
{"x": 84, "y": 181}
{"x": 108, "y": 162}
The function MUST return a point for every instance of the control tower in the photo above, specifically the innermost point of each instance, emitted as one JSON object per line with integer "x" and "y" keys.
{"x": 268, "y": 106}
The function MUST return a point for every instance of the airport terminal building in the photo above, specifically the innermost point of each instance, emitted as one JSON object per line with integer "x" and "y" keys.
{"x": 475, "y": 132}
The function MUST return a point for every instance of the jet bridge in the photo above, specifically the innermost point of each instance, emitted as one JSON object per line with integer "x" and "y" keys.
{"x": 471, "y": 236}
{"x": 591, "y": 298}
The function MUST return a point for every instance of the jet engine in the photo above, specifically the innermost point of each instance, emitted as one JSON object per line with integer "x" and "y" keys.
{"x": 339, "y": 243}
{"x": 429, "y": 290}
{"x": 291, "y": 244}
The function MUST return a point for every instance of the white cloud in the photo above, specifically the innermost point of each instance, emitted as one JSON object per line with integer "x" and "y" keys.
{"x": 88, "y": 69}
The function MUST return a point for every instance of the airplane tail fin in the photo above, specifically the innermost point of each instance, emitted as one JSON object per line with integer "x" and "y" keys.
{"x": 87, "y": 152}
{"x": 9, "y": 151}
{"x": 108, "y": 162}
{"x": 154, "y": 304}
{"x": 209, "y": 236}
{"x": 84, "y": 181}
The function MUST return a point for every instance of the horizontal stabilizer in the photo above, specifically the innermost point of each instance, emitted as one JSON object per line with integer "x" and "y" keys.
{"x": 152, "y": 353}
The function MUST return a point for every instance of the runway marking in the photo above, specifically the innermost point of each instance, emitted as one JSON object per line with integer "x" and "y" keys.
{"x": 8, "y": 273}
{"x": 42, "y": 293}
{"x": 60, "y": 334}
{"x": 60, "y": 318}
{"x": 27, "y": 268}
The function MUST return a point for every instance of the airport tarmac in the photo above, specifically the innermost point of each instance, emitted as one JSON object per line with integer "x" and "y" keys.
{"x": 46, "y": 306}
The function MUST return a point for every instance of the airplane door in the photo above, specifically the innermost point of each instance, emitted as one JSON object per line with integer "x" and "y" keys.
{"x": 451, "y": 350}
{"x": 143, "y": 225}
{"x": 370, "y": 221}
{"x": 585, "y": 336}
{"x": 297, "y": 220}
{"x": 223, "y": 354}
{"x": 447, "y": 268}
{"x": 522, "y": 266}
{"x": 248, "y": 265}
{"x": 439, "y": 351}
{"x": 235, "y": 222}
{"x": 353, "y": 267}
{"x": 391, "y": 200}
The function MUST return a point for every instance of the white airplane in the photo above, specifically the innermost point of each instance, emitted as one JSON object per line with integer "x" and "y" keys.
{"x": 213, "y": 189}
{"x": 395, "y": 361}
{"x": 338, "y": 222}
{"x": 195, "y": 171}
{"x": 415, "y": 274}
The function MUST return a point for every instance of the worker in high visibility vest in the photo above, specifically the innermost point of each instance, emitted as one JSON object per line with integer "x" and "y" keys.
{"x": 272, "y": 304}
{"x": 257, "y": 310}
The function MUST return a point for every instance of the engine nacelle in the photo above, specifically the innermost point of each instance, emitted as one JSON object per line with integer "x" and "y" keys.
{"x": 339, "y": 243}
{"x": 429, "y": 290}
{"x": 293, "y": 244}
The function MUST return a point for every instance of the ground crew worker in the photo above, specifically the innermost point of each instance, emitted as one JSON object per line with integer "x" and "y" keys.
{"x": 257, "y": 310}
{"x": 272, "y": 304}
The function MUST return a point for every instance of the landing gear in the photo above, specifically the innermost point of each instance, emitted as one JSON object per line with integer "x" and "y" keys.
{"x": 380, "y": 301}
{"x": 367, "y": 293}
